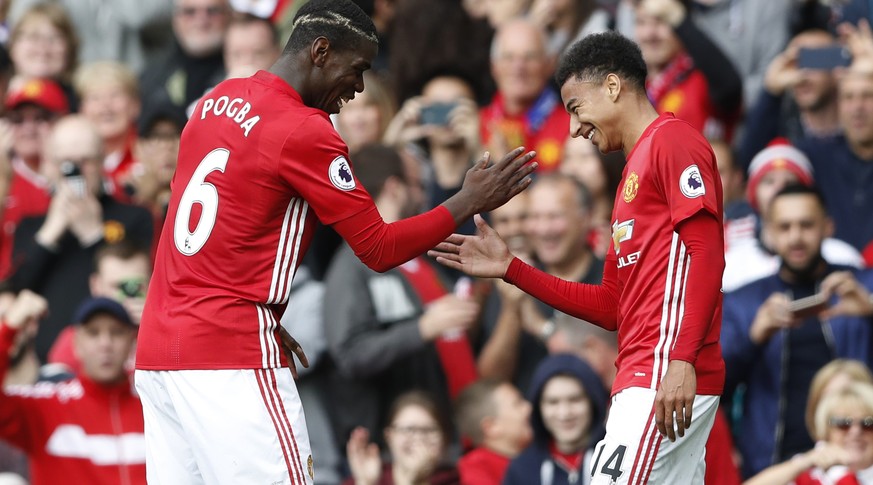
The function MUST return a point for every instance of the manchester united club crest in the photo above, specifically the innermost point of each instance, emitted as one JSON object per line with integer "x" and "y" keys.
{"x": 113, "y": 231}
{"x": 631, "y": 185}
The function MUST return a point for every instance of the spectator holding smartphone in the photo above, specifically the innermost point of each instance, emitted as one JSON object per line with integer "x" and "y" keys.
{"x": 441, "y": 125}
{"x": 55, "y": 252}
{"x": 795, "y": 103}
{"x": 775, "y": 352}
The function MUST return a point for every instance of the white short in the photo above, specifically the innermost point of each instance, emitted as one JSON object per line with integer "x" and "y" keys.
{"x": 634, "y": 452}
{"x": 224, "y": 427}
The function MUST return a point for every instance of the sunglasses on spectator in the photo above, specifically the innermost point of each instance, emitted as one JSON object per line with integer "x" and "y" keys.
{"x": 845, "y": 424}
{"x": 18, "y": 118}
{"x": 132, "y": 288}
{"x": 213, "y": 11}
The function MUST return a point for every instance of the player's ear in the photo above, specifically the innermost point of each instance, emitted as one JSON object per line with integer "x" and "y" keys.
{"x": 613, "y": 86}
{"x": 318, "y": 51}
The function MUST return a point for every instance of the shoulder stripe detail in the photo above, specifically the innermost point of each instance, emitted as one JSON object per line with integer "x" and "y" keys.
{"x": 288, "y": 252}
{"x": 282, "y": 251}
{"x": 672, "y": 310}
{"x": 298, "y": 238}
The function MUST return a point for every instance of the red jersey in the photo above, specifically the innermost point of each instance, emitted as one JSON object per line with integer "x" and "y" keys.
{"x": 28, "y": 196}
{"x": 671, "y": 186}
{"x": 670, "y": 175}
{"x": 256, "y": 167}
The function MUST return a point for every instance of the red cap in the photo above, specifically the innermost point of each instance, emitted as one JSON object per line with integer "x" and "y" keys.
{"x": 779, "y": 154}
{"x": 41, "y": 92}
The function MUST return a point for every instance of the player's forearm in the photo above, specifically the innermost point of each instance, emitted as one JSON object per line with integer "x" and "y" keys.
{"x": 597, "y": 304}
{"x": 705, "y": 266}
{"x": 383, "y": 246}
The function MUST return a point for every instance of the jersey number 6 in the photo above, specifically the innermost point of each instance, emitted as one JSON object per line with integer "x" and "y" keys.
{"x": 198, "y": 191}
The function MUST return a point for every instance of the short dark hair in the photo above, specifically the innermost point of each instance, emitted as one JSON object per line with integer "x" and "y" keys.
{"x": 428, "y": 403}
{"x": 342, "y": 22}
{"x": 475, "y": 403}
{"x": 799, "y": 189}
{"x": 124, "y": 250}
{"x": 374, "y": 164}
{"x": 597, "y": 55}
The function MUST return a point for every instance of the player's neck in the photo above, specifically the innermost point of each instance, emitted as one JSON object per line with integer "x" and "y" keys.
{"x": 638, "y": 115}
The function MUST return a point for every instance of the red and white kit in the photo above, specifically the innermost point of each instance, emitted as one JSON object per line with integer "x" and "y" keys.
{"x": 76, "y": 431}
{"x": 256, "y": 169}
{"x": 651, "y": 291}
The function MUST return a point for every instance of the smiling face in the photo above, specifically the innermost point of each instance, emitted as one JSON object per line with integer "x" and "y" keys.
{"x": 340, "y": 74}
{"x": 593, "y": 111}
{"x": 854, "y": 438}
{"x": 39, "y": 49}
{"x": 566, "y": 411}
{"x": 413, "y": 437}
{"x": 797, "y": 225}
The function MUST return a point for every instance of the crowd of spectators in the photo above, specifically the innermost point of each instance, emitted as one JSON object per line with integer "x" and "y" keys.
{"x": 419, "y": 375}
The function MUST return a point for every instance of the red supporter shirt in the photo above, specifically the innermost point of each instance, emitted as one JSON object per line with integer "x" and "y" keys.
{"x": 28, "y": 196}
{"x": 544, "y": 128}
{"x": 689, "y": 100}
{"x": 256, "y": 168}
{"x": 76, "y": 432}
{"x": 482, "y": 466}
{"x": 670, "y": 176}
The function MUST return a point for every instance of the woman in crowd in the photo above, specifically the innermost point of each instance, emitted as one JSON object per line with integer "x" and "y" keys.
{"x": 843, "y": 454}
{"x": 364, "y": 119}
{"x": 43, "y": 45}
{"x": 417, "y": 438}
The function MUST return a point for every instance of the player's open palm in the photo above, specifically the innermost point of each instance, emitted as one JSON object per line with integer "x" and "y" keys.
{"x": 364, "y": 461}
{"x": 484, "y": 255}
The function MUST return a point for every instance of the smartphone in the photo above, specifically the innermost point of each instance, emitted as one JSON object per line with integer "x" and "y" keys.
{"x": 437, "y": 114}
{"x": 809, "y": 306}
{"x": 823, "y": 58}
{"x": 73, "y": 176}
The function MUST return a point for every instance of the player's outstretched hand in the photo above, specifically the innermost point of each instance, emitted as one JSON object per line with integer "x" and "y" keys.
{"x": 484, "y": 255}
{"x": 489, "y": 185}
{"x": 291, "y": 348}
{"x": 675, "y": 398}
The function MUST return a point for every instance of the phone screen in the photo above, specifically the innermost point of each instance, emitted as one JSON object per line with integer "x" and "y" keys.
{"x": 436, "y": 114}
{"x": 823, "y": 58}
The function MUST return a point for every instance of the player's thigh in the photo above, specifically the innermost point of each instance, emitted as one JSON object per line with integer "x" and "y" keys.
{"x": 634, "y": 452}
{"x": 169, "y": 459}
{"x": 245, "y": 426}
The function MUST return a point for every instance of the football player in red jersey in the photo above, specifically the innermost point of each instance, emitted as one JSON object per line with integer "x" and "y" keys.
{"x": 662, "y": 277}
{"x": 259, "y": 163}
